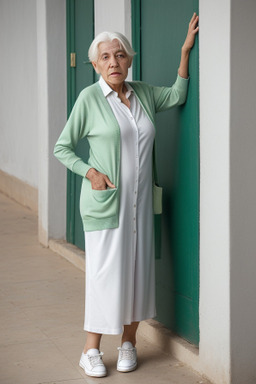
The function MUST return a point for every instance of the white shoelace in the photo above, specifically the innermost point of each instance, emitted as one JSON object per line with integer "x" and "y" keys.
{"x": 96, "y": 359}
{"x": 126, "y": 354}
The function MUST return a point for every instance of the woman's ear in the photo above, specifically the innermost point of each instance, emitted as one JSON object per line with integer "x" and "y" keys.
{"x": 130, "y": 63}
{"x": 95, "y": 66}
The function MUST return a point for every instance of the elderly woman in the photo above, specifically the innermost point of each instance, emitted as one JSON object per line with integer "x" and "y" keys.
{"x": 116, "y": 204}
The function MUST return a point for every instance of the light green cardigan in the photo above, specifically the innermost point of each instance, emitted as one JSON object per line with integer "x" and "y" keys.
{"x": 92, "y": 117}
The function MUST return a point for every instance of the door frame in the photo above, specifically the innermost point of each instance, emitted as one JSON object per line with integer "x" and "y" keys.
{"x": 71, "y": 98}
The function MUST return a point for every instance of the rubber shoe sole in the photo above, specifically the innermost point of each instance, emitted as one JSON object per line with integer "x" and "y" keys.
{"x": 92, "y": 374}
{"x": 130, "y": 369}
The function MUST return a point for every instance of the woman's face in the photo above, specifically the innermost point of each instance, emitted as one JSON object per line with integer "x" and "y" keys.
{"x": 112, "y": 63}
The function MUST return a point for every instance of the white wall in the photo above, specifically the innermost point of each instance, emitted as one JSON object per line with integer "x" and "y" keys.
{"x": 113, "y": 16}
{"x": 214, "y": 40}
{"x": 52, "y": 96}
{"x": 18, "y": 84}
{"x": 243, "y": 191}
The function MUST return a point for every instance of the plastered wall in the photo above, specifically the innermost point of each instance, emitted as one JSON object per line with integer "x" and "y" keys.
{"x": 243, "y": 192}
{"x": 214, "y": 311}
{"x": 18, "y": 96}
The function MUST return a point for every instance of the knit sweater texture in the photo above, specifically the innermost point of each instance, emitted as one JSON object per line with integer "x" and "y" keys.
{"x": 93, "y": 118}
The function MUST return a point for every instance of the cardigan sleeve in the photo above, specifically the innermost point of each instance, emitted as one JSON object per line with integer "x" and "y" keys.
{"x": 74, "y": 130}
{"x": 167, "y": 97}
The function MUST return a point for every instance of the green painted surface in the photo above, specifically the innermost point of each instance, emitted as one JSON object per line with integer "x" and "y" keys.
{"x": 159, "y": 30}
{"x": 80, "y": 33}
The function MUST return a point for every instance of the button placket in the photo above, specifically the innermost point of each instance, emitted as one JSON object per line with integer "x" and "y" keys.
{"x": 135, "y": 189}
{"x": 136, "y": 177}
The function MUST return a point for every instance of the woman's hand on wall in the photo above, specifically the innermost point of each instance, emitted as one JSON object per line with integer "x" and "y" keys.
{"x": 188, "y": 44}
{"x": 98, "y": 180}
{"x": 192, "y": 31}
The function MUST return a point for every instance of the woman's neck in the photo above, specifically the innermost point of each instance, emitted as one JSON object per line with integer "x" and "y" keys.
{"x": 120, "y": 89}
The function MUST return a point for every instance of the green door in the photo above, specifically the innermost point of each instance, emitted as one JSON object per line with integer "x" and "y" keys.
{"x": 80, "y": 33}
{"x": 159, "y": 30}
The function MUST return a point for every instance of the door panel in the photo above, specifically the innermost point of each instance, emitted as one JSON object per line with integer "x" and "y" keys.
{"x": 80, "y": 33}
{"x": 159, "y": 30}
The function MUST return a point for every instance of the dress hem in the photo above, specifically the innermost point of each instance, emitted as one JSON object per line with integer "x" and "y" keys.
{"x": 116, "y": 331}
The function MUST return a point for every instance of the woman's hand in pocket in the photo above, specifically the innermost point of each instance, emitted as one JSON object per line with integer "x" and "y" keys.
{"x": 98, "y": 180}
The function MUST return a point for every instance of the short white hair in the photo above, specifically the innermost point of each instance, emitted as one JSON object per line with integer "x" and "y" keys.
{"x": 103, "y": 37}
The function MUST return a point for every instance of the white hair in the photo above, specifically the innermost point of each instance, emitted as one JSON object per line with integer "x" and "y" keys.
{"x": 103, "y": 37}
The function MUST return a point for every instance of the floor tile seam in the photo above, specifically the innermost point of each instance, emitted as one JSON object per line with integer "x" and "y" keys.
{"x": 48, "y": 341}
{"x": 10, "y": 344}
{"x": 50, "y": 305}
{"x": 31, "y": 280}
{"x": 35, "y": 281}
{"x": 76, "y": 366}
{"x": 20, "y": 311}
{"x": 69, "y": 300}
{"x": 23, "y": 311}
{"x": 63, "y": 381}
{"x": 22, "y": 328}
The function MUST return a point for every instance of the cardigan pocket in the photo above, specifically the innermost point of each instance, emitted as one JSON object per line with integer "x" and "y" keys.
{"x": 103, "y": 195}
{"x": 101, "y": 204}
{"x": 98, "y": 205}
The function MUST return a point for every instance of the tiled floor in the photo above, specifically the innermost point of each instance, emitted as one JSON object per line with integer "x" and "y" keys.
{"x": 41, "y": 316}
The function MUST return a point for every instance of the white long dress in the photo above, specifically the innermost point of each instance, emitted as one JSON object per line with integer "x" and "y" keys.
{"x": 120, "y": 270}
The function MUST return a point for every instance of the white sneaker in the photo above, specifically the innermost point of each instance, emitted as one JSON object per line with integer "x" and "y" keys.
{"x": 127, "y": 357}
{"x": 92, "y": 363}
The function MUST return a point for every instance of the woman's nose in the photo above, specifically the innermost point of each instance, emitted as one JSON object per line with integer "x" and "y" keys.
{"x": 113, "y": 62}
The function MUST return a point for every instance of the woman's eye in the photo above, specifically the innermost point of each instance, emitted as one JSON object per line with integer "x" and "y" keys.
{"x": 104, "y": 57}
{"x": 120, "y": 55}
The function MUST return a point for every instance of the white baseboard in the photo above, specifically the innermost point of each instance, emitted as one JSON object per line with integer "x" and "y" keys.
{"x": 19, "y": 191}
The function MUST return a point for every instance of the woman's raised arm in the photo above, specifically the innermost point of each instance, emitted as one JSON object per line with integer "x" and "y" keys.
{"x": 188, "y": 44}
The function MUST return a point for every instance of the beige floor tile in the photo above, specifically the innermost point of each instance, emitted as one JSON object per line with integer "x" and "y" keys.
{"x": 42, "y": 314}
{"x": 43, "y": 292}
{"x": 71, "y": 314}
{"x": 21, "y": 334}
{"x": 13, "y": 317}
{"x": 34, "y": 363}
{"x": 38, "y": 266}
{"x": 5, "y": 304}
{"x": 57, "y": 321}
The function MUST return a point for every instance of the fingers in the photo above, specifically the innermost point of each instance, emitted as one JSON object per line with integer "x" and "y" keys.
{"x": 98, "y": 180}
{"x": 194, "y": 20}
{"x": 193, "y": 25}
{"x": 193, "y": 17}
{"x": 102, "y": 182}
{"x": 108, "y": 182}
